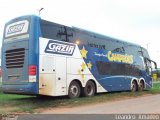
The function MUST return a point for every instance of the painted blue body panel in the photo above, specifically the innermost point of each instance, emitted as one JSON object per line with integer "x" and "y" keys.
{"x": 22, "y": 72}
{"x": 114, "y": 82}
{"x": 31, "y": 46}
{"x": 29, "y": 88}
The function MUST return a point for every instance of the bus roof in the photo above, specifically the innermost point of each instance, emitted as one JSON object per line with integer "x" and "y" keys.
{"x": 77, "y": 29}
{"x": 21, "y": 17}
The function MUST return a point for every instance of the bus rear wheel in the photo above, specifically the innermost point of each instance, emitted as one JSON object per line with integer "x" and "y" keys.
{"x": 74, "y": 90}
{"x": 89, "y": 90}
{"x": 141, "y": 86}
{"x": 134, "y": 86}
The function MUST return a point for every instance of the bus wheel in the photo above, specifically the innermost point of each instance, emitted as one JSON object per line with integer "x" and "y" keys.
{"x": 74, "y": 90}
{"x": 89, "y": 89}
{"x": 134, "y": 86}
{"x": 141, "y": 86}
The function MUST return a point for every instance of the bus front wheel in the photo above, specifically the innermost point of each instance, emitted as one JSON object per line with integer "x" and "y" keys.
{"x": 74, "y": 90}
{"x": 89, "y": 90}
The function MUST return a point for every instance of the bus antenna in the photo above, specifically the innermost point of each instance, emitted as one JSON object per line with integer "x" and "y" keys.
{"x": 40, "y": 11}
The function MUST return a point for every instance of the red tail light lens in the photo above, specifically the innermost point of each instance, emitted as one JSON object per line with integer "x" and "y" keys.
{"x": 32, "y": 70}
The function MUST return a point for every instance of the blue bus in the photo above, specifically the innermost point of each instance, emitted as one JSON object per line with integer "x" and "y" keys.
{"x": 40, "y": 57}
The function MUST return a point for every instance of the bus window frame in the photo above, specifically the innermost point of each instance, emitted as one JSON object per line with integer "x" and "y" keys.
{"x": 148, "y": 64}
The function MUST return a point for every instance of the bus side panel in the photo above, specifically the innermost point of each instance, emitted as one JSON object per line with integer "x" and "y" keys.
{"x": 113, "y": 70}
{"x": 61, "y": 75}
{"x": 47, "y": 75}
{"x": 63, "y": 68}
{"x": 52, "y": 80}
{"x": 116, "y": 83}
{"x": 148, "y": 80}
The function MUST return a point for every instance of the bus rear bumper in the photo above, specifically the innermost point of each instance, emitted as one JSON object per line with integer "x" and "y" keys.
{"x": 25, "y": 89}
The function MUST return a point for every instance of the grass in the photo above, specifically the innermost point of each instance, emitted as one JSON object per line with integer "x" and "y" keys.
{"x": 29, "y": 104}
{"x": 156, "y": 86}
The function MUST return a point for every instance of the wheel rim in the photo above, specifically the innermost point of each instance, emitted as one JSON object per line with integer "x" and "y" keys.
{"x": 89, "y": 90}
{"x": 133, "y": 87}
{"x": 141, "y": 86}
{"x": 74, "y": 90}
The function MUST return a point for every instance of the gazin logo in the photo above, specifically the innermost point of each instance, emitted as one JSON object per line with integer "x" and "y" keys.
{"x": 15, "y": 28}
{"x": 56, "y": 47}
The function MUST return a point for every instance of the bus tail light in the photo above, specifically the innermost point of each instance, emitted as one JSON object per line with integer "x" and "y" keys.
{"x": 32, "y": 73}
{"x": 32, "y": 70}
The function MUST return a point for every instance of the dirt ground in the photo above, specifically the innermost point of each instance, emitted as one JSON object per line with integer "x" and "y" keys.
{"x": 143, "y": 104}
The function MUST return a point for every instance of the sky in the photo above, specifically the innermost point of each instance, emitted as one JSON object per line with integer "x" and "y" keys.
{"x": 136, "y": 21}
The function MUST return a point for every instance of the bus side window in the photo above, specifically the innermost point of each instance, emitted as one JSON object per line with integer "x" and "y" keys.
{"x": 115, "y": 46}
{"x": 55, "y": 31}
{"x": 148, "y": 66}
{"x": 64, "y": 33}
{"x": 140, "y": 53}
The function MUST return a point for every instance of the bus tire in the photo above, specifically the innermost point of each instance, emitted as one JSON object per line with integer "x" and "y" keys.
{"x": 74, "y": 90}
{"x": 134, "y": 86}
{"x": 141, "y": 86}
{"x": 89, "y": 90}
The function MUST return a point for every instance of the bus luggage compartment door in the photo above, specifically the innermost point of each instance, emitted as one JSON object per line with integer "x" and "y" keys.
{"x": 61, "y": 75}
{"x": 47, "y": 75}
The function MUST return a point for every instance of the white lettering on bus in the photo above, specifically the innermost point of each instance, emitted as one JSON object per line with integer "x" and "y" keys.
{"x": 15, "y": 28}
{"x": 59, "y": 48}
